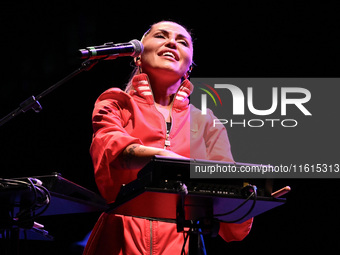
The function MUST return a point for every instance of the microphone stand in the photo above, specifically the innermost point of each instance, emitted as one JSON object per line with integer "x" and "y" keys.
{"x": 33, "y": 103}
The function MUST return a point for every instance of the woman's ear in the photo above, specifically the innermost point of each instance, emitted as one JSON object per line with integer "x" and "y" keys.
{"x": 187, "y": 75}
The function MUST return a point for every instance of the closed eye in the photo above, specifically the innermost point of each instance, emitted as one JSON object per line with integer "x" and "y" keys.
{"x": 185, "y": 43}
{"x": 163, "y": 34}
{"x": 159, "y": 36}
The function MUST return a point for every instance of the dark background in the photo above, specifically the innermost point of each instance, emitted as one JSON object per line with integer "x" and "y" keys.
{"x": 233, "y": 39}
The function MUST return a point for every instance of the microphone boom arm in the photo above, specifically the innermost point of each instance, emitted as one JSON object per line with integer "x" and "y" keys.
{"x": 33, "y": 103}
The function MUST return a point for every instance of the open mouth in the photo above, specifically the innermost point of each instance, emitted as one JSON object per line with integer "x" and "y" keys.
{"x": 169, "y": 54}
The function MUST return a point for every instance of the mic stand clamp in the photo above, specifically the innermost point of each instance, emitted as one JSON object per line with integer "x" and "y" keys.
{"x": 33, "y": 103}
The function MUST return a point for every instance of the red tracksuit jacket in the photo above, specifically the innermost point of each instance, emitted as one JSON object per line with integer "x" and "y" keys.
{"x": 120, "y": 119}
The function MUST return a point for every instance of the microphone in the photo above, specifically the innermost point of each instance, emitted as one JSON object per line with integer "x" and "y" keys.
{"x": 110, "y": 50}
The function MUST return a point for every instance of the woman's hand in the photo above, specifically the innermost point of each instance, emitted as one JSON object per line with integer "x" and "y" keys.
{"x": 171, "y": 154}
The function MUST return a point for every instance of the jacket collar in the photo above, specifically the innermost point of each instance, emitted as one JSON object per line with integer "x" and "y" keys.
{"x": 141, "y": 86}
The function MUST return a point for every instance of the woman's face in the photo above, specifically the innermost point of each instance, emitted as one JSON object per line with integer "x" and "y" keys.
{"x": 167, "y": 48}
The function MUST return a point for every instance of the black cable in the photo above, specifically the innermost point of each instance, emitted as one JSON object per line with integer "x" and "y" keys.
{"x": 238, "y": 207}
{"x": 46, "y": 202}
{"x": 41, "y": 199}
{"x": 253, "y": 194}
{"x": 200, "y": 236}
{"x": 35, "y": 193}
{"x": 185, "y": 241}
{"x": 13, "y": 181}
{"x": 26, "y": 212}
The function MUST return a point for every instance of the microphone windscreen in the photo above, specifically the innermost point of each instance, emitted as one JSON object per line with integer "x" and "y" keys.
{"x": 138, "y": 46}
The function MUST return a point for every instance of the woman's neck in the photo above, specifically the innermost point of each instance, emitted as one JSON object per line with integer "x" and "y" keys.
{"x": 164, "y": 88}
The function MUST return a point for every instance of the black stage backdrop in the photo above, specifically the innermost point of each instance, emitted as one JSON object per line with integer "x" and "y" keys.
{"x": 232, "y": 39}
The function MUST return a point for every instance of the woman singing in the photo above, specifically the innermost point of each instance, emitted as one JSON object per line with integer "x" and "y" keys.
{"x": 152, "y": 117}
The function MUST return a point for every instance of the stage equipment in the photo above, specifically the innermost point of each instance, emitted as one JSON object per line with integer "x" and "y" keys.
{"x": 164, "y": 191}
{"x": 94, "y": 54}
{"x": 24, "y": 199}
{"x": 110, "y": 50}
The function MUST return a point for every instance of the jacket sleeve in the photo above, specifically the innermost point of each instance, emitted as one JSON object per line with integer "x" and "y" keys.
{"x": 218, "y": 148}
{"x": 235, "y": 231}
{"x": 216, "y": 140}
{"x": 110, "y": 113}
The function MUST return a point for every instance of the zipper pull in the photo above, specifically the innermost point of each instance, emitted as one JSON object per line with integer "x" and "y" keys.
{"x": 167, "y": 141}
